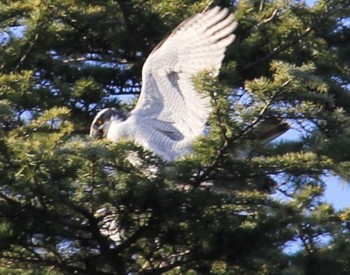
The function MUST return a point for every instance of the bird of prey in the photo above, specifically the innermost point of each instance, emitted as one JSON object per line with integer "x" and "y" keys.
{"x": 170, "y": 113}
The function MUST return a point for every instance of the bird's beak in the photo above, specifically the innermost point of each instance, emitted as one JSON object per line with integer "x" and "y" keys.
{"x": 96, "y": 132}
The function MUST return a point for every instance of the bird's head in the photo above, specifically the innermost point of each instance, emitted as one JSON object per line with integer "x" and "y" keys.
{"x": 100, "y": 124}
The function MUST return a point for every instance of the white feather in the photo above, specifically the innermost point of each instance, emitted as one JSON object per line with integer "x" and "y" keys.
{"x": 170, "y": 113}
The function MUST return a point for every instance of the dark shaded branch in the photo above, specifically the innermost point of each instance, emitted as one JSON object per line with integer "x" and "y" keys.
{"x": 115, "y": 261}
{"x": 126, "y": 9}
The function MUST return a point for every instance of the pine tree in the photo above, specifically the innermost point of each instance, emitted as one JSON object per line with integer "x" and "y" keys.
{"x": 70, "y": 205}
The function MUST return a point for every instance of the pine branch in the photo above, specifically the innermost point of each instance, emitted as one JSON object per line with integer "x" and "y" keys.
{"x": 281, "y": 48}
{"x": 204, "y": 175}
{"x": 113, "y": 258}
{"x": 277, "y": 50}
{"x": 162, "y": 270}
{"x": 270, "y": 18}
{"x": 32, "y": 42}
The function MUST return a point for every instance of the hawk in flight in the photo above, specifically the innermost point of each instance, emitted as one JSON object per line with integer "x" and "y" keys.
{"x": 170, "y": 114}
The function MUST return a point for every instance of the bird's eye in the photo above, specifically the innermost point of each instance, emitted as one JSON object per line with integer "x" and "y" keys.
{"x": 99, "y": 122}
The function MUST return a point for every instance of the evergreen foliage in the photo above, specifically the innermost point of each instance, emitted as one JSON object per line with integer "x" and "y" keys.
{"x": 62, "y": 61}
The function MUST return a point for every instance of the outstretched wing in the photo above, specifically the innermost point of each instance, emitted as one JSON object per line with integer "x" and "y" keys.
{"x": 168, "y": 100}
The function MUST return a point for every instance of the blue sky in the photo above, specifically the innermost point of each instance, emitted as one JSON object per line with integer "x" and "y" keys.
{"x": 337, "y": 190}
{"x": 338, "y": 193}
